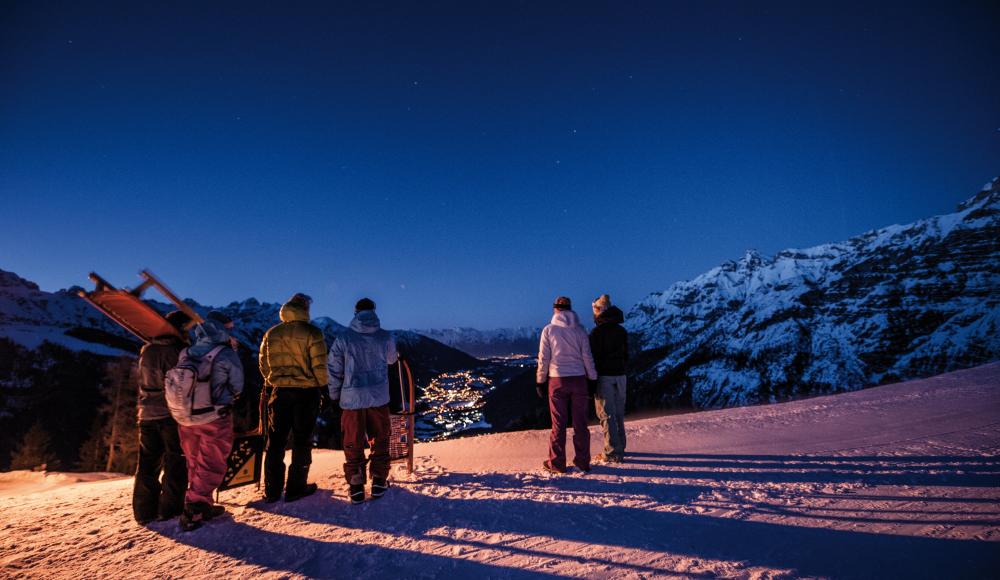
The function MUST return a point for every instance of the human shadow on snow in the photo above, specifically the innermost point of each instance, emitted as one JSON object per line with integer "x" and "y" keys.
{"x": 870, "y": 470}
{"x": 609, "y": 527}
{"x": 323, "y": 558}
{"x": 632, "y": 513}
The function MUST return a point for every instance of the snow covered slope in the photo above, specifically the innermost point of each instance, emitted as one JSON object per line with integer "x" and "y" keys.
{"x": 896, "y": 481}
{"x": 900, "y": 302}
{"x": 485, "y": 343}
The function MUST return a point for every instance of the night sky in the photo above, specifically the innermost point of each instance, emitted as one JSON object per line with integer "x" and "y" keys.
{"x": 465, "y": 163}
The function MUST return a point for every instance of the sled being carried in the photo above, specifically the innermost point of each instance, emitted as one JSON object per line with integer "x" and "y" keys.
{"x": 131, "y": 312}
{"x": 401, "y": 416}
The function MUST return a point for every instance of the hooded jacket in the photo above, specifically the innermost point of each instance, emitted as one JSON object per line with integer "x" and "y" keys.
{"x": 359, "y": 363}
{"x": 609, "y": 343}
{"x": 293, "y": 353}
{"x": 564, "y": 350}
{"x": 156, "y": 358}
{"x": 227, "y": 371}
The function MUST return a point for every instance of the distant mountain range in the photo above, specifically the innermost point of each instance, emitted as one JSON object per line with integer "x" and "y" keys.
{"x": 901, "y": 302}
{"x": 29, "y": 316}
{"x": 892, "y": 304}
{"x": 486, "y": 343}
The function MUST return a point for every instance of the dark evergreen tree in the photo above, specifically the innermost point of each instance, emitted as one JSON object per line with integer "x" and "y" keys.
{"x": 35, "y": 451}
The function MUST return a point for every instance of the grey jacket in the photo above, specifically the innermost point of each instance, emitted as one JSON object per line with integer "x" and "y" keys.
{"x": 227, "y": 370}
{"x": 359, "y": 362}
{"x": 564, "y": 349}
{"x": 156, "y": 358}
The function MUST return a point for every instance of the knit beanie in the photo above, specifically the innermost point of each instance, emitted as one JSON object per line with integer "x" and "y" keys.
{"x": 562, "y": 303}
{"x": 602, "y": 303}
{"x": 364, "y": 304}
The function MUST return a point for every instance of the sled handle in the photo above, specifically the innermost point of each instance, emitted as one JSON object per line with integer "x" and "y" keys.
{"x": 150, "y": 280}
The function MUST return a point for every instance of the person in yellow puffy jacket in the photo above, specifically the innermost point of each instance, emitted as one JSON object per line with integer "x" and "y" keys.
{"x": 293, "y": 363}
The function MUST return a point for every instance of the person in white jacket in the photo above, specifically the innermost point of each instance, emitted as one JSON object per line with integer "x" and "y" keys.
{"x": 565, "y": 364}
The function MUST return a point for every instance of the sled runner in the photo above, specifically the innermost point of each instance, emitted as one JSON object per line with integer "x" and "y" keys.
{"x": 401, "y": 418}
{"x": 128, "y": 309}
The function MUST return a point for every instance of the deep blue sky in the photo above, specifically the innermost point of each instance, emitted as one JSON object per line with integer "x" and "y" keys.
{"x": 464, "y": 163}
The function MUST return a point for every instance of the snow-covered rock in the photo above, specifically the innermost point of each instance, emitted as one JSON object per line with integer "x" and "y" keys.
{"x": 900, "y": 302}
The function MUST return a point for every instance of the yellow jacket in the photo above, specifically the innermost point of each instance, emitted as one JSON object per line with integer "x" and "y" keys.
{"x": 293, "y": 353}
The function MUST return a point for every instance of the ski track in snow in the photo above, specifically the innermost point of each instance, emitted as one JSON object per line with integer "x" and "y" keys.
{"x": 895, "y": 481}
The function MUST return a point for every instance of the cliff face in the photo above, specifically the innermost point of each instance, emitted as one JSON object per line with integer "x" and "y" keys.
{"x": 891, "y": 304}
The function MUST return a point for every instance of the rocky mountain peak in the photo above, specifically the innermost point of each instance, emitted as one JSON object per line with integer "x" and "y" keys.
{"x": 988, "y": 197}
{"x": 12, "y": 280}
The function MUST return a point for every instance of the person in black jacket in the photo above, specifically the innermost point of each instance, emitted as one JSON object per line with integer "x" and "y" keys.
{"x": 159, "y": 444}
{"x": 609, "y": 345}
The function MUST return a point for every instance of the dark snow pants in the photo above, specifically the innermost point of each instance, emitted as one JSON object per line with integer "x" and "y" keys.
{"x": 291, "y": 410}
{"x": 568, "y": 396}
{"x": 359, "y": 426}
{"x": 159, "y": 451}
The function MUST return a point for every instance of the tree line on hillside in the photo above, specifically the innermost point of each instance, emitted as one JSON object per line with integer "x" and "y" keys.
{"x": 66, "y": 410}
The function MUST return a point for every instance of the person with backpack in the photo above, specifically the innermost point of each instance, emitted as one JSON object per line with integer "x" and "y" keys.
{"x": 565, "y": 365}
{"x": 159, "y": 444}
{"x": 293, "y": 364}
{"x": 200, "y": 391}
{"x": 609, "y": 345}
{"x": 359, "y": 379}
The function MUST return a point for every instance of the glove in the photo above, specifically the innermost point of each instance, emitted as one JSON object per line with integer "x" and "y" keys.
{"x": 542, "y": 389}
{"x": 224, "y": 411}
{"x": 325, "y": 402}
{"x": 591, "y": 388}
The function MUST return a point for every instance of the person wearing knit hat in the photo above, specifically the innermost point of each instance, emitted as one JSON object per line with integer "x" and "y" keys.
{"x": 155, "y": 496}
{"x": 609, "y": 345}
{"x": 601, "y": 304}
{"x": 565, "y": 364}
{"x": 293, "y": 364}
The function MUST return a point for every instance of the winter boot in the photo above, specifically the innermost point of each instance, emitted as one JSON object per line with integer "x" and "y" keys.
{"x": 213, "y": 511}
{"x": 357, "y": 493}
{"x": 547, "y": 466}
{"x": 308, "y": 490}
{"x": 192, "y": 518}
{"x": 379, "y": 487}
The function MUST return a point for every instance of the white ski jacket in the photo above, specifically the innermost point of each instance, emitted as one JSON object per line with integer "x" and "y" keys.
{"x": 564, "y": 350}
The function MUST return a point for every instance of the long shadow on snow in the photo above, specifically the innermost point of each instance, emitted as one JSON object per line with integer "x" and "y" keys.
{"x": 317, "y": 558}
{"x": 929, "y": 471}
{"x": 807, "y": 550}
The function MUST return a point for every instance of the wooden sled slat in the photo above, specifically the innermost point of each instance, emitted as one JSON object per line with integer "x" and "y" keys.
{"x": 402, "y": 424}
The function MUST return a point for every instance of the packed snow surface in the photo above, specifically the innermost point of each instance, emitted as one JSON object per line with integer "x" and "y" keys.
{"x": 895, "y": 481}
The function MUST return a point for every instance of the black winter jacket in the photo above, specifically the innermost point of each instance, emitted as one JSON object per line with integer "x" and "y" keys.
{"x": 609, "y": 343}
{"x": 156, "y": 358}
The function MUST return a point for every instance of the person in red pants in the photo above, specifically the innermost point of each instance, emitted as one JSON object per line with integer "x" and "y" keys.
{"x": 207, "y": 445}
{"x": 358, "y": 366}
{"x": 565, "y": 364}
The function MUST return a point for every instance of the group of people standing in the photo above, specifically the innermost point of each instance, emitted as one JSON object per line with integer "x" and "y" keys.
{"x": 572, "y": 367}
{"x": 302, "y": 376}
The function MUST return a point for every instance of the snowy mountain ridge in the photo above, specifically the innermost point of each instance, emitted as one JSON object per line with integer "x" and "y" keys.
{"x": 29, "y": 316}
{"x": 899, "y": 302}
{"x": 498, "y": 341}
